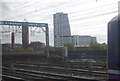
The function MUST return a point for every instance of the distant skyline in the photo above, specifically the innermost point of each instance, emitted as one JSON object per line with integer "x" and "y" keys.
{"x": 86, "y": 17}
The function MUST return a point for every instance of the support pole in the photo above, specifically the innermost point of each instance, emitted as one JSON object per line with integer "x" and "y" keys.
{"x": 47, "y": 42}
{"x": 13, "y": 40}
{"x": 65, "y": 54}
{"x": 25, "y": 35}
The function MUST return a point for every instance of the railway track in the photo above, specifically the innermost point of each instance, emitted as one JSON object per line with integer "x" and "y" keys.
{"x": 61, "y": 69}
{"x": 30, "y": 69}
{"x": 68, "y": 64}
{"x": 58, "y": 68}
{"x": 36, "y": 75}
{"x": 11, "y": 78}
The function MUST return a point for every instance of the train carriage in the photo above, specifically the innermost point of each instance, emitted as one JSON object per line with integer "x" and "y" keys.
{"x": 114, "y": 49}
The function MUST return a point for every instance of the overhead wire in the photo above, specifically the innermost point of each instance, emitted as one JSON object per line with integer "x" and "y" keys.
{"x": 106, "y": 5}
{"x": 90, "y": 17}
{"x": 66, "y": 7}
{"x": 71, "y": 17}
{"x": 42, "y": 9}
{"x": 85, "y": 13}
{"x": 98, "y": 15}
{"x": 102, "y": 14}
{"x": 79, "y": 14}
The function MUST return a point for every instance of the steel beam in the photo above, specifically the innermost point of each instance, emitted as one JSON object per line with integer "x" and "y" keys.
{"x": 14, "y": 23}
{"x": 47, "y": 41}
{"x": 25, "y": 28}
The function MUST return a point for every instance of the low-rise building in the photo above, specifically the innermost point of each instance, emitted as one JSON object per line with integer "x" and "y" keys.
{"x": 78, "y": 40}
{"x": 37, "y": 45}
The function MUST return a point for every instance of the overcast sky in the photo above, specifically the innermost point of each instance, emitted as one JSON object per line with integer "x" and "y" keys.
{"x": 86, "y": 17}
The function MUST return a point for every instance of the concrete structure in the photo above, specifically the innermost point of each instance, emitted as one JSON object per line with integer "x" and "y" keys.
{"x": 25, "y": 35}
{"x": 83, "y": 41}
{"x": 93, "y": 40}
{"x": 76, "y": 41}
{"x": 25, "y": 31}
{"x": 13, "y": 40}
{"x": 66, "y": 39}
{"x": 37, "y": 45}
{"x": 62, "y": 31}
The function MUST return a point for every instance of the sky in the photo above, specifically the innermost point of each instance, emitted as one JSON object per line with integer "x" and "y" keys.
{"x": 86, "y": 17}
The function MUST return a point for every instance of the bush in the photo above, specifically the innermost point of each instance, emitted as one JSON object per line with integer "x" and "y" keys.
{"x": 70, "y": 46}
{"x": 11, "y": 66}
{"x": 29, "y": 49}
{"x": 98, "y": 46}
{"x": 56, "y": 59}
{"x": 18, "y": 49}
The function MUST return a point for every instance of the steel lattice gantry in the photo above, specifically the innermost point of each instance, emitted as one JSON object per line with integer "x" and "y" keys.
{"x": 25, "y": 31}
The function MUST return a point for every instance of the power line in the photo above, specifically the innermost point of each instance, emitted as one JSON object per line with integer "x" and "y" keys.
{"x": 95, "y": 12}
{"x": 89, "y": 17}
{"x": 82, "y": 14}
{"x": 44, "y": 7}
{"x": 53, "y": 6}
{"x": 71, "y": 12}
{"x": 102, "y": 14}
{"x": 93, "y": 8}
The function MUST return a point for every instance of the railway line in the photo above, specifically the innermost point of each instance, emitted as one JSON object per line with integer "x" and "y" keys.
{"x": 53, "y": 72}
{"x": 11, "y": 78}
{"x": 68, "y": 64}
{"x": 61, "y": 69}
{"x": 37, "y": 75}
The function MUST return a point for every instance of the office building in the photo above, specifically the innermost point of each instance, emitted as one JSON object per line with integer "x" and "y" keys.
{"x": 83, "y": 41}
{"x": 62, "y": 31}
{"x": 76, "y": 40}
{"x": 93, "y": 40}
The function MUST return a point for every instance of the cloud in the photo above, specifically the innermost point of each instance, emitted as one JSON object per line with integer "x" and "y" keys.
{"x": 15, "y": 0}
{"x": 43, "y": 10}
{"x": 4, "y": 6}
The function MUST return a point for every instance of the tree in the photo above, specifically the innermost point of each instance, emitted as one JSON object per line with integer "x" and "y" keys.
{"x": 103, "y": 46}
{"x": 70, "y": 46}
{"x": 98, "y": 46}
